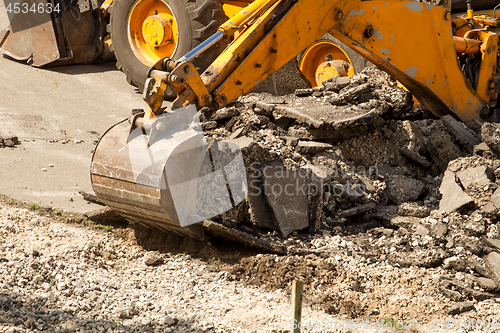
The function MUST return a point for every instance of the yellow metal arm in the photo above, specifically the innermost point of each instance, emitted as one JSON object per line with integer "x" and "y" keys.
{"x": 410, "y": 40}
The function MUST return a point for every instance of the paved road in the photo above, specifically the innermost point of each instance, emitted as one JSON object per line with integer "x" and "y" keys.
{"x": 39, "y": 105}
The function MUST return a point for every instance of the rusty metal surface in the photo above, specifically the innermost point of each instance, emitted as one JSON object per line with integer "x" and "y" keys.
{"x": 114, "y": 184}
{"x": 84, "y": 36}
{"x": 42, "y": 39}
{"x": 17, "y": 45}
{"x": 31, "y": 35}
{"x": 44, "y": 42}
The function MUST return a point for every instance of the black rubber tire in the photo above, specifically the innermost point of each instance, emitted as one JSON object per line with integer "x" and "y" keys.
{"x": 196, "y": 19}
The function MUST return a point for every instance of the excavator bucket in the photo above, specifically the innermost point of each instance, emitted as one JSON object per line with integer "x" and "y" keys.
{"x": 56, "y": 33}
{"x": 164, "y": 176}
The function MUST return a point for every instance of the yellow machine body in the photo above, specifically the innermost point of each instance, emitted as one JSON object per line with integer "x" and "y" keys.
{"x": 422, "y": 49}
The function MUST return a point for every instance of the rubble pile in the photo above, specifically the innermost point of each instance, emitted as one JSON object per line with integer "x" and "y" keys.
{"x": 8, "y": 141}
{"x": 356, "y": 158}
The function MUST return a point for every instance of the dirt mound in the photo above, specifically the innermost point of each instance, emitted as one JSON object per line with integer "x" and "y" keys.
{"x": 278, "y": 272}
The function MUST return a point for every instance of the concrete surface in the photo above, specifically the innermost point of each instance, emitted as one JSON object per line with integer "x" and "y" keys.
{"x": 61, "y": 103}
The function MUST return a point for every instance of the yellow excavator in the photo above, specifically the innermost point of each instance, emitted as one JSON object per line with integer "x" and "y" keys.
{"x": 448, "y": 62}
{"x": 137, "y": 33}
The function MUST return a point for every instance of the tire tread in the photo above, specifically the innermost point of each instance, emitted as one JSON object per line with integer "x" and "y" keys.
{"x": 206, "y": 16}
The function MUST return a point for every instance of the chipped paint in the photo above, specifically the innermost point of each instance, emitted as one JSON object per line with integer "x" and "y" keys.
{"x": 377, "y": 34}
{"x": 386, "y": 58}
{"x": 414, "y": 6}
{"x": 411, "y": 71}
{"x": 374, "y": 7}
{"x": 392, "y": 38}
{"x": 386, "y": 3}
{"x": 356, "y": 13}
{"x": 385, "y": 51}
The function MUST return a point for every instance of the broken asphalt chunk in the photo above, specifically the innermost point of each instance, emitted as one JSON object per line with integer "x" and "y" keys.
{"x": 312, "y": 147}
{"x": 490, "y": 134}
{"x": 286, "y": 192}
{"x": 401, "y": 189}
{"x": 298, "y": 115}
{"x": 492, "y": 260}
{"x": 454, "y": 198}
{"x": 460, "y": 132}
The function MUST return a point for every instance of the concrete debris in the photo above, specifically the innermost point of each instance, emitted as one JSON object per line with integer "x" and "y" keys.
{"x": 208, "y": 125}
{"x": 479, "y": 176}
{"x": 415, "y": 157}
{"x": 286, "y": 194}
{"x": 442, "y": 147}
{"x": 454, "y": 198}
{"x": 460, "y": 308}
{"x": 492, "y": 260}
{"x": 483, "y": 150}
{"x": 495, "y": 243}
{"x": 154, "y": 261}
{"x": 349, "y": 94}
{"x": 312, "y": 147}
{"x": 490, "y": 134}
{"x": 9, "y": 141}
{"x": 487, "y": 284}
{"x": 412, "y": 209}
{"x": 225, "y": 113}
{"x": 401, "y": 189}
{"x": 337, "y": 83}
{"x": 400, "y": 186}
{"x": 439, "y": 230}
{"x": 301, "y": 117}
{"x": 357, "y": 210}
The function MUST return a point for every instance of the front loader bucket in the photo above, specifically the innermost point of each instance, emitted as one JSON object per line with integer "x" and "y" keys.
{"x": 166, "y": 177}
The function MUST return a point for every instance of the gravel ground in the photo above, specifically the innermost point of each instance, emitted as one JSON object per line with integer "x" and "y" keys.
{"x": 57, "y": 276}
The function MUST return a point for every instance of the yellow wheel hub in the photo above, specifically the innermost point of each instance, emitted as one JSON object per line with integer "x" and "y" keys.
{"x": 329, "y": 69}
{"x": 157, "y": 30}
{"x": 323, "y": 60}
{"x": 152, "y": 31}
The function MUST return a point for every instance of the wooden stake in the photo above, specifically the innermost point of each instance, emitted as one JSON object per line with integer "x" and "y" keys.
{"x": 296, "y": 306}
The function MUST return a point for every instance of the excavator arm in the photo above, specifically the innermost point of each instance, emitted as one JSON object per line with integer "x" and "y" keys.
{"x": 150, "y": 168}
{"x": 412, "y": 41}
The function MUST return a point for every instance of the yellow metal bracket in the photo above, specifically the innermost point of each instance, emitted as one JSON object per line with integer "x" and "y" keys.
{"x": 185, "y": 77}
{"x": 248, "y": 66}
